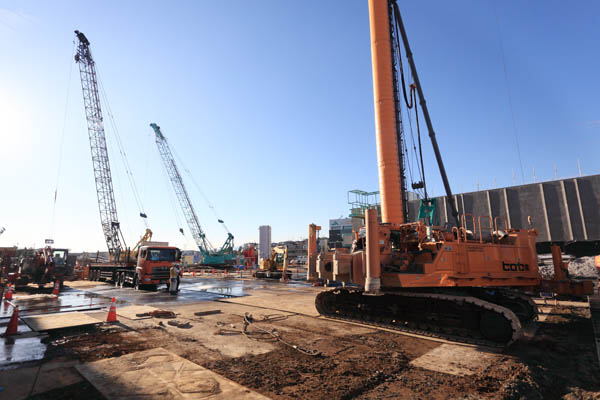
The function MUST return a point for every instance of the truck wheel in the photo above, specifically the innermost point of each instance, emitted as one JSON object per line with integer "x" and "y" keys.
{"x": 116, "y": 276}
{"x": 121, "y": 279}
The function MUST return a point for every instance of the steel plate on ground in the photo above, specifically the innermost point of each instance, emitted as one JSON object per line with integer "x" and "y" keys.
{"x": 49, "y": 322}
{"x": 158, "y": 373}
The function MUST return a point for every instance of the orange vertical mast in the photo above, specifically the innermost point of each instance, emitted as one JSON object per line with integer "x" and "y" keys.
{"x": 390, "y": 186}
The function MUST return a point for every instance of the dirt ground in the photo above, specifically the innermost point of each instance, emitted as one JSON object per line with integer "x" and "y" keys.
{"x": 559, "y": 362}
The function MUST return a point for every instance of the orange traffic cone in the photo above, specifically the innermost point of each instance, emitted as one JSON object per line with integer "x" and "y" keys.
{"x": 213, "y": 271}
{"x": 56, "y": 289}
{"x": 112, "y": 312}
{"x": 8, "y": 295}
{"x": 194, "y": 273}
{"x": 13, "y": 324}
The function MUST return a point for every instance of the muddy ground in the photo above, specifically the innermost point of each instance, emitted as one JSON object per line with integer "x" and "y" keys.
{"x": 559, "y": 362}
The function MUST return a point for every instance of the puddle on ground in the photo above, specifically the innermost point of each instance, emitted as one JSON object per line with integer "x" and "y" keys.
{"x": 68, "y": 300}
{"x": 233, "y": 287}
{"x": 18, "y": 350}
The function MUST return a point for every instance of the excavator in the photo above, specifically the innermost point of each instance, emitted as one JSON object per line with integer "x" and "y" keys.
{"x": 41, "y": 266}
{"x": 469, "y": 281}
{"x": 276, "y": 266}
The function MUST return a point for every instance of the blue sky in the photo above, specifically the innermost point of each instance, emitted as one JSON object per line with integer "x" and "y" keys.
{"x": 269, "y": 104}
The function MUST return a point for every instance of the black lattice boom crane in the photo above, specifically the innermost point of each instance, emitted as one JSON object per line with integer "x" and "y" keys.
{"x": 95, "y": 123}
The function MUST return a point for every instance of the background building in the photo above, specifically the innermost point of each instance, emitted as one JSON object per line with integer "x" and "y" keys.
{"x": 340, "y": 231}
{"x": 264, "y": 242}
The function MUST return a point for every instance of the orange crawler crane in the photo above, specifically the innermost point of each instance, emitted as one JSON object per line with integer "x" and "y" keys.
{"x": 470, "y": 282}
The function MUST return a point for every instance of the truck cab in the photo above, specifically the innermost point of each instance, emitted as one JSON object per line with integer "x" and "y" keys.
{"x": 154, "y": 261}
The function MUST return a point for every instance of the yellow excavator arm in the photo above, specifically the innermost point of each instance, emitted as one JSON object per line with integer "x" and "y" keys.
{"x": 277, "y": 261}
{"x": 147, "y": 236}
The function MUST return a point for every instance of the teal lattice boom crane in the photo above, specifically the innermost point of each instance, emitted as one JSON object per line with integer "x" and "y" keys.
{"x": 215, "y": 257}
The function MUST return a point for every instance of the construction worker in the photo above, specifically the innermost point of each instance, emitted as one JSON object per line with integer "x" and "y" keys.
{"x": 174, "y": 279}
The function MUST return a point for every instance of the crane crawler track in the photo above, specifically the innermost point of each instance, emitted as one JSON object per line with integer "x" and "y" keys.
{"x": 458, "y": 318}
{"x": 525, "y": 302}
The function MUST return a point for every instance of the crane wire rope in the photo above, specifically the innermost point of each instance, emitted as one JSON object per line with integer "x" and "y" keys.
{"x": 208, "y": 203}
{"x": 121, "y": 149}
{"x": 147, "y": 155}
{"x": 115, "y": 174}
{"x": 206, "y": 246}
{"x": 410, "y": 101}
{"x": 171, "y": 196}
{"x": 508, "y": 92}
{"x": 411, "y": 155}
{"x": 405, "y": 159}
{"x": 62, "y": 142}
{"x": 117, "y": 183}
{"x": 165, "y": 181}
{"x": 405, "y": 150}
{"x": 414, "y": 94}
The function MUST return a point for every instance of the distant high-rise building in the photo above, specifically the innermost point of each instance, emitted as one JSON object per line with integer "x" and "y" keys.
{"x": 264, "y": 241}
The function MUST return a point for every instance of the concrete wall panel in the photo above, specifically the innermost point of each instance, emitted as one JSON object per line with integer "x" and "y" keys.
{"x": 589, "y": 191}
{"x": 526, "y": 200}
{"x": 573, "y": 207}
{"x": 556, "y": 210}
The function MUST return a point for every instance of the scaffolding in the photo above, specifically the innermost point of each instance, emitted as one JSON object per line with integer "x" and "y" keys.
{"x": 359, "y": 201}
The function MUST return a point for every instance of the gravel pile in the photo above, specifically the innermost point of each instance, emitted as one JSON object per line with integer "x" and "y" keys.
{"x": 578, "y": 268}
{"x": 546, "y": 271}
{"x": 583, "y": 267}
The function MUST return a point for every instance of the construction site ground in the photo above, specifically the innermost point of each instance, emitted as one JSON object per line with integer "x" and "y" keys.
{"x": 275, "y": 356}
